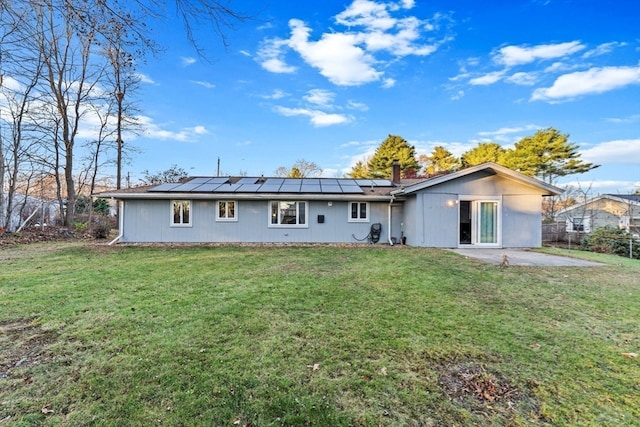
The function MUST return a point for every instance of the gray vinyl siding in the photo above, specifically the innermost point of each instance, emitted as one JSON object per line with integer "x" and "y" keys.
{"x": 521, "y": 221}
{"x": 435, "y": 219}
{"x": 149, "y": 221}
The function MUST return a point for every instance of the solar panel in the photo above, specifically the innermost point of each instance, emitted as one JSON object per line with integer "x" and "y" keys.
{"x": 248, "y": 188}
{"x": 186, "y": 187}
{"x": 218, "y": 180}
{"x": 266, "y": 188}
{"x": 247, "y": 180}
{"x": 165, "y": 187}
{"x": 206, "y": 188}
{"x": 227, "y": 188}
{"x": 290, "y": 188}
{"x": 331, "y": 188}
{"x": 310, "y": 188}
{"x": 199, "y": 180}
{"x": 274, "y": 181}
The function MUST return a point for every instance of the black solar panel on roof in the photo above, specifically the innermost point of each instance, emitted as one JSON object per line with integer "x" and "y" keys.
{"x": 266, "y": 188}
{"x": 310, "y": 188}
{"x": 248, "y": 188}
{"x": 199, "y": 180}
{"x": 207, "y": 188}
{"x": 247, "y": 180}
{"x": 165, "y": 187}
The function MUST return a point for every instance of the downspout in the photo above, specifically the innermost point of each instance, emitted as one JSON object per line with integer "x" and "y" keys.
{"x": 120, "y": 222}
{"x": 389, "y": 225}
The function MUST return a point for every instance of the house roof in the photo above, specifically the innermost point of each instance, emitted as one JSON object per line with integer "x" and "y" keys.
{"x": 491, "y": 168}
{"x": 261, "y": 187}
{"x": 631, "y": 199}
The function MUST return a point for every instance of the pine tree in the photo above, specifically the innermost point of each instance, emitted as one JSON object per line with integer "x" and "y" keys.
{"x": 483, "y": 153}
{"x": 393, "y": 148}
{"x": 546, "y": 155}
{"x": 441, "y": 160}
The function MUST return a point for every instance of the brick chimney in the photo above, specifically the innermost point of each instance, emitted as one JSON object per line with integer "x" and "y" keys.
{"x": 395, "y": 172}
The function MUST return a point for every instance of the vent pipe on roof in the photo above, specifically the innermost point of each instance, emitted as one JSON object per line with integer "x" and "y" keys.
{"x": 395, "y": 172}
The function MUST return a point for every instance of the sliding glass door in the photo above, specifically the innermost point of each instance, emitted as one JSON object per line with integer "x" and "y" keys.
{"x": 479, "y": 222}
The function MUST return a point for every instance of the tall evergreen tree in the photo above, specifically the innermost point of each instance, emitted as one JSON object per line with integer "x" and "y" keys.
{"x": 393, "y": 148}
{"x": 440, "y": 160}
{"x": 359, "y": 170}
{"x": 482, "y": 153}
{"x": 546, "y": 155}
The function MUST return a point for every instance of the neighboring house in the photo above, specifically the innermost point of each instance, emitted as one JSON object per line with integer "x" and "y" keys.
{"x": 606, "y": 210}
{"x": 481, "y": 206}
{"x": 28, "y": 207}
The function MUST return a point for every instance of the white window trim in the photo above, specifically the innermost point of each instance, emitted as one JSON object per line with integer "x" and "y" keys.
{"x": 476, "y": 200}
{"x": 227, "y": 219}
{"x": 306, "y": 210}
{"x": 350, "y": 206}
{"x": 188, "y": 224}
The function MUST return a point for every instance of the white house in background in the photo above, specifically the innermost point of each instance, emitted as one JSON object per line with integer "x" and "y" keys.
{"x": 25, "y": 207}
{"x": 606, "y": 210}
{"x": 481, "y": 206}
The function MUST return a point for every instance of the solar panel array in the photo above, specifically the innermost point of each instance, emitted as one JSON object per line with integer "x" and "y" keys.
{"x": 271, "y": 185}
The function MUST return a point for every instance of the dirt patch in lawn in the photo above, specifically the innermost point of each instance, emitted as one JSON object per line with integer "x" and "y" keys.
{"x": 23, "y": 344}
{"x": 484, "y": 392}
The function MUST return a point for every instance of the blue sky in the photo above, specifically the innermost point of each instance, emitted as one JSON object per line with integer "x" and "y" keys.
{"x": 329, "y": 81}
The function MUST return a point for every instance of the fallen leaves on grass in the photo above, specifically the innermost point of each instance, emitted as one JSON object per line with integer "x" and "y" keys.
{"x": 630, "y": 355}
{"x": 46, "y": 409}
{"x": 314, "y": 367}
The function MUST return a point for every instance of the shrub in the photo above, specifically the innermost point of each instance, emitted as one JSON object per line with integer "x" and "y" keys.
{"x": 101, "y": 230}
{"x": 610, "y": 240}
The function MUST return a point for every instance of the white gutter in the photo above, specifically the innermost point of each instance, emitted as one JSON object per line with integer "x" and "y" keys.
{"x": 120, "y": 223}
{"x": 389, "y": 225}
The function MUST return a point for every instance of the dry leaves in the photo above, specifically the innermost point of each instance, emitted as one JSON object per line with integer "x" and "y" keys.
{"x": 46, "y": 409}
{"x": 314, "y": 367}
{"x": 630, "y": 355}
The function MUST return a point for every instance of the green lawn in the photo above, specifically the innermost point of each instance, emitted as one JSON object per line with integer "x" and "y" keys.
{"x": 313, "y": 335}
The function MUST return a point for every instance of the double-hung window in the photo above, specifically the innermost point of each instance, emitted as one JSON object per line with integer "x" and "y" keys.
{"x": 181, "y": 213}
{"x": 288, "y": 214}
{"x": 227, "y": 210}
{"x": 358, "y": 212}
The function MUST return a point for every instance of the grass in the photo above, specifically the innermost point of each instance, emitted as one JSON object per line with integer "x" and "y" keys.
{"x": 315, "y": 335}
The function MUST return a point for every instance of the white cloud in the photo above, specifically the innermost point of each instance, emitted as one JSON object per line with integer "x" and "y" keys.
{"x": 186, "y": 61}
{"x": 518, "y": 55}
{"x": 320, "y": 97}
{"x": 155, "y": 131}
{"x": 270, "y": 56}
{"x": 388, "y": 83}
{"x": 487, "y": 79}
{"x": 629, "y": 119}
{"x": 204, "y": 84}
{"x": 276, "y": 94}
{"x": 145, "y": 78}
{"x": 523, "y": 79}
{"x": 623, "y": 151}
{"x": 353, "y": 105}
{"x": 336, "y": 55}
{"x": 350, "y": 58}
{"x": 318, "y": 118}
{"x": 507, "y": 134}
{"x": 603, "y": 49}
{"x": 592, "y": 81}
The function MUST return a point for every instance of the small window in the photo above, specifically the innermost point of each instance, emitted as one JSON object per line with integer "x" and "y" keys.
{"x": 226, "y": 210}
{"x": 358, "y": 212}
{"x": 181, "y": 213}
{"x": 577, "y": 224}
{"x": 288, "y": 214}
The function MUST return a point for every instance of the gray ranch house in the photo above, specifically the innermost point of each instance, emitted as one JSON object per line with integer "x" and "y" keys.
{"x": 481, "y": 206}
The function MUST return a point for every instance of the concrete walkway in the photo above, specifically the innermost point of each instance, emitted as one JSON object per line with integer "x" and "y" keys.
{"x": 523, "y": 257}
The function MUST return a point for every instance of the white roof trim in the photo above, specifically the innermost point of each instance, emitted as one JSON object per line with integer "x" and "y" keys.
{"x": 494, "y": 167}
